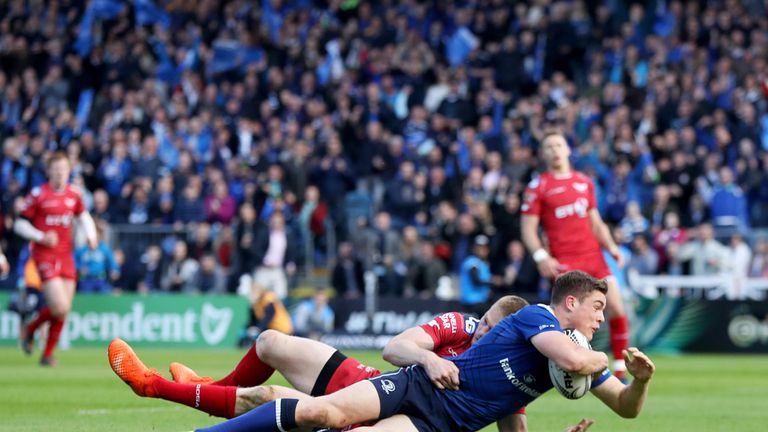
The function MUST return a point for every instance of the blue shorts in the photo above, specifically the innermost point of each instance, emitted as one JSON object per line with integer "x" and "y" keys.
{"x": 410, "y": 392}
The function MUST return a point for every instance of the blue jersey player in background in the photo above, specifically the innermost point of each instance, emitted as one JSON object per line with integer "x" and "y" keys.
{"x": 505, "y": 370}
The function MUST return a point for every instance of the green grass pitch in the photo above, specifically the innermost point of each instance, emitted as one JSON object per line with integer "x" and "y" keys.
{"x": 693, "y": 392}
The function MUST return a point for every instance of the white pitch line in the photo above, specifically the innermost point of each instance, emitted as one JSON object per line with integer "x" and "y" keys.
{"x": 105, "y": 411}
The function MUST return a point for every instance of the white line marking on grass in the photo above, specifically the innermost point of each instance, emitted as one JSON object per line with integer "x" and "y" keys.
{"x": 106, "y": 411}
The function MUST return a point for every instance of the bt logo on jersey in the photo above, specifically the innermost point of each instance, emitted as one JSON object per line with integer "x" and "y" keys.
{"x": 578, "y": 208}
{"x": 62, "y": 220}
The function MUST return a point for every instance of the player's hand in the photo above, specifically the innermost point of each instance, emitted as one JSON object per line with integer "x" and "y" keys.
{"x": 616, "y": 254}
{"x": 50, "y": 239}
{"x": 443, "y": 373}
{"x": 583, "y": 425}
{"x": 638, "y": 364}
{"x": 549, "y": 268}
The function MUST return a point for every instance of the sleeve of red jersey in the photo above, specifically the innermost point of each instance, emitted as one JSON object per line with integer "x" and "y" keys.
{"x": 30, "y": 205}
{"x": 531, "y": 200}
{"x": 79, "y": 204}
{"x": 442, "y": 332}
{"x": 592, "y": 198}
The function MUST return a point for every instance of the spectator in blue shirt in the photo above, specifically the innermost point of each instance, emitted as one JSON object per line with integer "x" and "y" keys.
{"x": 313, "y": 317}
{"x": 96, "y": 268}
{"x": 728, "y": 205}
{"x": 475, "y": 277}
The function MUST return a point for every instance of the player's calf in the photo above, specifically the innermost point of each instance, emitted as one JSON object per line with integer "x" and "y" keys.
{"x": 318, "y": 413}
{"x": 252, "y": 397}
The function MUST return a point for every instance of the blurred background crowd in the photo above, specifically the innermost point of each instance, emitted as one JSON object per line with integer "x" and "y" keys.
{"x": 297, "y": 141}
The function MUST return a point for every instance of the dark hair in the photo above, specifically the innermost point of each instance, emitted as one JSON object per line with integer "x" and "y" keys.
{"x": 510, "y": 304}
{"x": 578, "y": 284}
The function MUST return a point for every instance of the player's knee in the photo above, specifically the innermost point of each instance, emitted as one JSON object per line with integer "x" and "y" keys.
{"x": 266, "y": 343}
{"x": 59, "y": 311}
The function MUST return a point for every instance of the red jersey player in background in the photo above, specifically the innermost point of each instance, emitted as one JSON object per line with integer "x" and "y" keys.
{"x": 563, "y": 201}
{"x": 315, "y": 368}
{"x": 46, "y": 221}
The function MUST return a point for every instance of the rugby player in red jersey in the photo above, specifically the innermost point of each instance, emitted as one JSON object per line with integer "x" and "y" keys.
{"x": 46, "y": 220}
{"x": 562, "y": 201}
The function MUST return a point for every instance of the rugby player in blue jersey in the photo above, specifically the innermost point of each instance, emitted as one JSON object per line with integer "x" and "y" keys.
{"x": 503, "y": 371}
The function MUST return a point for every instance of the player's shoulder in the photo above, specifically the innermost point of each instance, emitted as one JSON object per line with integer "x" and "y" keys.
{"x": 579, "y": 176}
{"x": 38, "y": 191}
{"x": 537, "y": 312}
{"x": 538, "y": 181}
{"x": 74, "y": 191}
{"x": 448, "y": 321}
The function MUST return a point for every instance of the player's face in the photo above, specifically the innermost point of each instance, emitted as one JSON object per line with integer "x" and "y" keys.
{"x": 555, "y": 152}
{"x": 59, "y": 173}
{"x": 587, "y": 315}
{"x": 487, "y": 322}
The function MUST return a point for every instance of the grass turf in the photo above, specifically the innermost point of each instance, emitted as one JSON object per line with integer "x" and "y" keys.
{"x": 701, "y": 392}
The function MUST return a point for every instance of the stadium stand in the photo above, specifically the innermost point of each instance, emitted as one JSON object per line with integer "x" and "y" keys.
{"x": 175, "y": 114}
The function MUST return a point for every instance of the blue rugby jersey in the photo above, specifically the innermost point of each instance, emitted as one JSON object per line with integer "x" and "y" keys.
{"x": 503, "y": 371}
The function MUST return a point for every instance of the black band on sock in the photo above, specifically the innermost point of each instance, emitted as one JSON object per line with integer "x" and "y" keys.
{"x": 286, "y": 411}
{"x": 329, "y": 369}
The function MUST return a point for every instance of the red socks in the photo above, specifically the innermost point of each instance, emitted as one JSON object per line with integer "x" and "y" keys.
{"x": 619, "y": 342}
{"x": 251, "y": 371}
{"x": 57, "y": 324}
{"x": 43, "y": 316}
{"x": 54, "y": 332}
{"x": 215, "y": 400}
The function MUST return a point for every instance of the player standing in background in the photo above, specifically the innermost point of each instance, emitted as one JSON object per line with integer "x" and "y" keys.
{"x": 563, "y": 201}
{"x": 46, "y": 221}
{"x": 317, "y": 369}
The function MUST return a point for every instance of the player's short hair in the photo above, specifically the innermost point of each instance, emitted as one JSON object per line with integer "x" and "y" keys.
{"x": 57, "y": 156}
{"x": 510, "y": 304}
{"x": 548, "y": 134}
{"x": 578, "y": 284}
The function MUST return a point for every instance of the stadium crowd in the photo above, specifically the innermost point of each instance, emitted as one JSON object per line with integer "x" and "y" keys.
{"x": 398, "y": 130}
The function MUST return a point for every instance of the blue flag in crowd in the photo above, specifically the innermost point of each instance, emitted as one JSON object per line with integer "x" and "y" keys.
{"x": 104, "y": 9}
{"x": 227, "y": 55}
{"x": 148, "y": 13}
{"x": 84, "y": 107}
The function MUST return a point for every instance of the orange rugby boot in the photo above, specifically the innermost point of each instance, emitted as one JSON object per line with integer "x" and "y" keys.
{"x": 184, "y": 375}
{"x": 126, "y": 364}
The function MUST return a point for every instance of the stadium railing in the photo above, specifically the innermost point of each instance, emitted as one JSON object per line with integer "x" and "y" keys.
{"x": 712, "y": 287}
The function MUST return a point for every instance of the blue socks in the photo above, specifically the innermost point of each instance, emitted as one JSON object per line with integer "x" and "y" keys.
{"x": 276, "y": 416}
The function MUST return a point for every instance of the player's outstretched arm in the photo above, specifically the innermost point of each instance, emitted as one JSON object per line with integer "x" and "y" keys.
{"x": 604, "y": 237}
{"x": 627, "y": 400}
{"x": 548, "y": 266}
{"x": 568, "y": 355}
{"x": 414, "y": 346}
{"x": 89, "y": 228}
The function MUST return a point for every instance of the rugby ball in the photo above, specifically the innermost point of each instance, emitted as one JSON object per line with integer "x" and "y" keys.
{"x": 569, "y": 384}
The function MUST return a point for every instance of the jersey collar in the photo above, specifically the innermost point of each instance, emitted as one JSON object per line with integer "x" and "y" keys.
{"x": 548, "y": 308}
